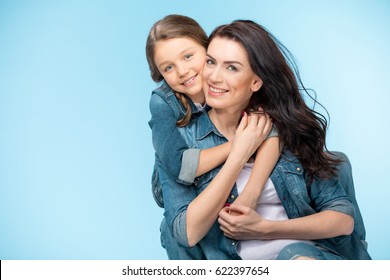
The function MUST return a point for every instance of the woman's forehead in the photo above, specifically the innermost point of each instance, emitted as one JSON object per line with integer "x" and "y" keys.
{"x": 226, "y": 49}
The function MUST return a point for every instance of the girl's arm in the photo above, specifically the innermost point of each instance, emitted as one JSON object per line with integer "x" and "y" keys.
{"x": 250, "y": 225}
{"x": 212, "y": 158}
{"x": 167, "y": 141}
{"x": 177, "y": 159}
{"x": 266, "y": 157}
{"x": 203, "y": 211}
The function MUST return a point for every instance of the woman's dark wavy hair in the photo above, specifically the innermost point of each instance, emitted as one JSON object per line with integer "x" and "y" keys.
{"x": 302, "y": 130}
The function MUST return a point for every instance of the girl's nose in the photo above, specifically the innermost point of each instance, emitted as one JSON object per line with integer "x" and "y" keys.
{"x": 182, "y": 70}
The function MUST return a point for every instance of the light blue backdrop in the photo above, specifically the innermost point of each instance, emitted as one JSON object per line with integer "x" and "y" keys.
{"x": 75, "y": 148}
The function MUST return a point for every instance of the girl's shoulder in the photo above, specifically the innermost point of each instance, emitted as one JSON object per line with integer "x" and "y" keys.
{"x": 163, "y": 99}
{"x": 164, "y": 91}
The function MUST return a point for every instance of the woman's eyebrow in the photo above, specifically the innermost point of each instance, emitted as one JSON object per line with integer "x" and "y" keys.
{"x": 226, "y": 61}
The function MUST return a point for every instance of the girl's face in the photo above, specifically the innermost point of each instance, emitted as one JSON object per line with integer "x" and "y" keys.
{"x": 228, "y": 79}
{"x": 180, "y": 61}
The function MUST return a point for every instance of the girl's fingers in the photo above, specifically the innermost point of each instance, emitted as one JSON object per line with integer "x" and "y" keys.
{"x": 244, "y": 122}
{"x": 268, "y": 124}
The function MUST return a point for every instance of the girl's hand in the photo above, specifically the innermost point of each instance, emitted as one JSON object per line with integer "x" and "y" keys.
{"x": 250, "y": 133}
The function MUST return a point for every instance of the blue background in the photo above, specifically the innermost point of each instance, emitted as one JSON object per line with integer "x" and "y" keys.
{"x": 75, "y": 148}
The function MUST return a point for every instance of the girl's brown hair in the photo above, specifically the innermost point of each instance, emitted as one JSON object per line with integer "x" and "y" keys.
{"x": 170, "y": 27}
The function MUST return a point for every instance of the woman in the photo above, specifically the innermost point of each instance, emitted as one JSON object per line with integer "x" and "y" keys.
{"x": 245, "y": 69}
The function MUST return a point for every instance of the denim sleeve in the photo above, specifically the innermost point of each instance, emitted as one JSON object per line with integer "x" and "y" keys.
{"x": 329, "y": 194}
{"x": 176, "y": 200}
{"x": 189, "y": 165}
{"x": 273, "y": 133}
{"x": 167, "y": 140}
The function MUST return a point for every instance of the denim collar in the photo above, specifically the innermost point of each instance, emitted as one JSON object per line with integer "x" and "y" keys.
{"x": 205, "y": 127}
{"x": 169, "y": 93}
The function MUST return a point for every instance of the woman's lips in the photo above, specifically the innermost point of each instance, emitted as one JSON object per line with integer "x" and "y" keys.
{"x": 216, "y": 91}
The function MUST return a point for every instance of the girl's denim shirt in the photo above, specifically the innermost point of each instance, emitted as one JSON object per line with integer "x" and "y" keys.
{"x": 288, "y": 176}
{"x": 171, "y": 150}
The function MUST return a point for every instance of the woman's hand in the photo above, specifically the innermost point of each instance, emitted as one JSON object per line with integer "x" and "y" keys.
{"x": 250, "y": 133}
{"x": 241, "y": 223}
{"x": 246, "y": 224}
{"x": 246, "y": 199}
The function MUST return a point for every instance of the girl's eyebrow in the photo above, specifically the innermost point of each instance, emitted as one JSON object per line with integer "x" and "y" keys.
{"x": 227, "y": 61}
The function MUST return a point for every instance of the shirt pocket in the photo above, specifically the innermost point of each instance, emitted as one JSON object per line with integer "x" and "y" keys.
{"x": 296, "y": 184}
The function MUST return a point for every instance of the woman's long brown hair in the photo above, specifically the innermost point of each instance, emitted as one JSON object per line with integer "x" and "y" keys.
{"x": 302, "y": 130}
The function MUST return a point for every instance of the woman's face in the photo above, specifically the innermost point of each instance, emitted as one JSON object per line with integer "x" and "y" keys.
{"x": 228, "y": 79}
{"x": 180, "y": 61}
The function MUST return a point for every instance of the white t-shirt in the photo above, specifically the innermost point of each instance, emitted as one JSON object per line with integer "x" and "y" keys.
{"x": 200, "y": 106}
{"x": 269, "y": 207}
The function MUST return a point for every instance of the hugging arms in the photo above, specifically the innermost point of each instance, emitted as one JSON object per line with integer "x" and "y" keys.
{"x": 305, "y": 204}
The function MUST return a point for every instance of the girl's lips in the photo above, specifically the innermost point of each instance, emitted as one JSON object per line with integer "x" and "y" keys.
{"x": 190, "y": 81}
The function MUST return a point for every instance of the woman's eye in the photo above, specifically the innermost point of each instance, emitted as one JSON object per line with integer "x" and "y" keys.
{"x": 188, "y": 56}
{"x": 209, "y": 61}
{"x": 232, "y": 68}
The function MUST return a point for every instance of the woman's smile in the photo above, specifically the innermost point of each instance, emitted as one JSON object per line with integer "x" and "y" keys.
{"x": 216, "y": 91}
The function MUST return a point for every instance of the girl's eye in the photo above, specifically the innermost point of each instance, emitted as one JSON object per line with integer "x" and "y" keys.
{"x": 166, "y": 69}
{"x": 209, "y": 62}
{"x": 232, "y": 68}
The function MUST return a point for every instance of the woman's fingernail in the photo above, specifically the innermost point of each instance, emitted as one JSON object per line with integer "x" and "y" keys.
{"x": 226, "y": 205}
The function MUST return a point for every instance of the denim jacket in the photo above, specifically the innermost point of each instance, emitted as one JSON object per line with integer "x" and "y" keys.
{"x": 288, "y": 176}
{"x": 178, "y": 160}
{"x": 172, "y": 152}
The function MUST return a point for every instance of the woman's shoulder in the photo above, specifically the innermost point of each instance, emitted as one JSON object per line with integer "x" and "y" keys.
{"x": 288, "y": 162}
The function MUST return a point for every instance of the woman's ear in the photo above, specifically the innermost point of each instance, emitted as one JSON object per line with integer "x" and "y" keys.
{"x": 257, "y": 83}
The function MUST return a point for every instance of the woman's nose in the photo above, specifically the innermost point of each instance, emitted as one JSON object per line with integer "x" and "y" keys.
{"x": 215, "y": 75}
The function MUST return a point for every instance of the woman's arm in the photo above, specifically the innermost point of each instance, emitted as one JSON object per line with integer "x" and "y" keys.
{"x": 250, "y": 225}
{"x": 266, "y": 157}
{"x": 203, "y": 211}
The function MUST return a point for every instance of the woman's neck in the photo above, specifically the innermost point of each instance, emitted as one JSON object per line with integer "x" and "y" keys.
{"x": 226, "y": 122}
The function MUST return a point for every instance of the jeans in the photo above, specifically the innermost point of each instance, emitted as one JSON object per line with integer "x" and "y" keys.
{"x": 301, "y": 249}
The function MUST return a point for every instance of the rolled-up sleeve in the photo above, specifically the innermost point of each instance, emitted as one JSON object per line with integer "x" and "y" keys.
{"x": 273, "y": 133}
{"x": 189, "y": 165}
{"x": 330, "y": 195}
